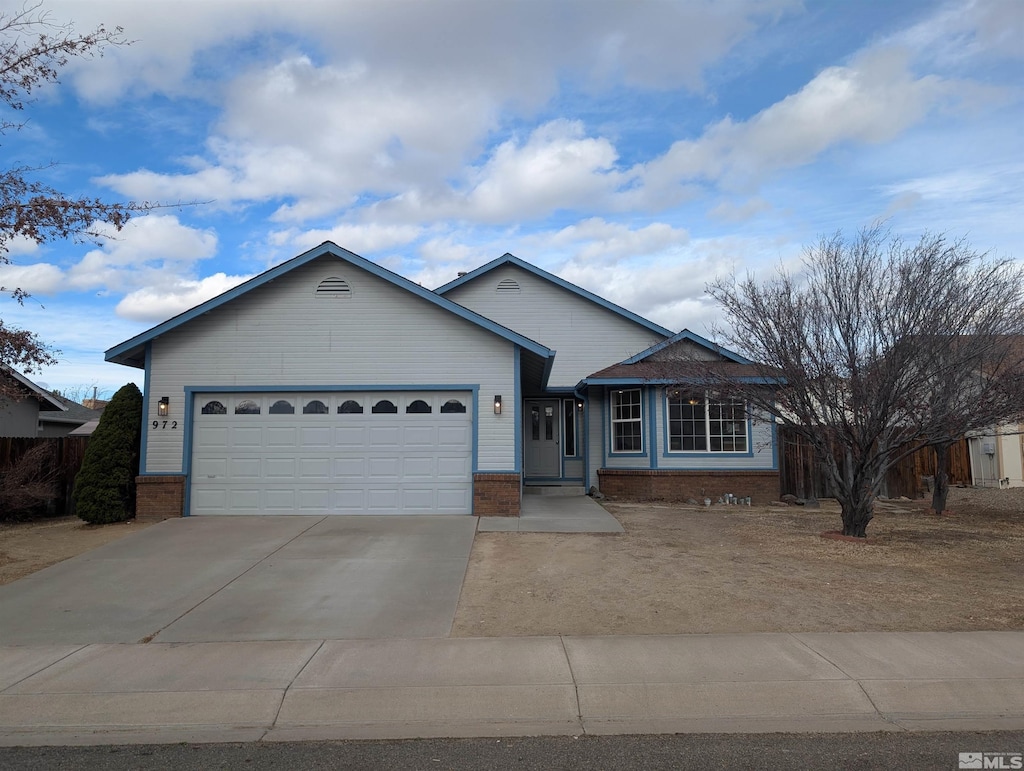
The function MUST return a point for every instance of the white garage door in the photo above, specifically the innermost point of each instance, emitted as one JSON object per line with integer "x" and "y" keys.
{"x": 338, "y": 453}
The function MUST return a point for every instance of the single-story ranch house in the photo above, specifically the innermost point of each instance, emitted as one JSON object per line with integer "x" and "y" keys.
{"x": 330, "y": 385}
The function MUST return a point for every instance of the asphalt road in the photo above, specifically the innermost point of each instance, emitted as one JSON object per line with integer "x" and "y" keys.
{"x": 777, "y": 752}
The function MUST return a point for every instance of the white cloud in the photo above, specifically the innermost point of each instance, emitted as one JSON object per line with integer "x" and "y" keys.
{"x": 729, "y": 211}
{"x": 156, "y": 303}
{"x": 38, "y": 278}
{"x": 358, "y": 238}
{"x": 870, "y": 101}
{"x": 598, "y": 241}
{"x": 147, "y": 248}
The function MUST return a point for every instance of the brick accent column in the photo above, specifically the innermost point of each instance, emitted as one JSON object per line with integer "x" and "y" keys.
{"x": 678, "y": 485}
{"x": 159, "y": 497}
{"x": 496, "y": 495}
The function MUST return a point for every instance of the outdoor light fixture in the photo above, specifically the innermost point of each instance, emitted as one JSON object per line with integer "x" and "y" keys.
{"x": 579, "y": 406}
{"x": 163, "y": 406}
{"x": 497, "y": 404}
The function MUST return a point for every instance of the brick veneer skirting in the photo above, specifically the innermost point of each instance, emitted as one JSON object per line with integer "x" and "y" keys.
{"x": 675, "y": 485}
{"x": 496, "y": 495}
{"x": 159, "y": 497}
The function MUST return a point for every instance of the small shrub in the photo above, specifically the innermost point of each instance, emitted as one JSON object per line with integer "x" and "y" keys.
{"x": 28, "y": 489}
{"x": 105, "y": 485}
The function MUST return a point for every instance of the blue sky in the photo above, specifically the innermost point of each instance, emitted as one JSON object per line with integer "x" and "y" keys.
{"x": 638, "y": 149}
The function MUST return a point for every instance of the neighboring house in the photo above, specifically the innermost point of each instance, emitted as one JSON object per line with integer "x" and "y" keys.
{"x": 997, "y": 456}
{"x": 329, "y": 384}
{"x": 38, "y": 412}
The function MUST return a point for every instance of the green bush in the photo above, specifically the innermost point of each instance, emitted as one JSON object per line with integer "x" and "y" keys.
{"x": 105, "y": 485}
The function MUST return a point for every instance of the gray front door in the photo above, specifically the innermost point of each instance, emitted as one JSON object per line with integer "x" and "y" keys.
{"x": 541, "y": 434}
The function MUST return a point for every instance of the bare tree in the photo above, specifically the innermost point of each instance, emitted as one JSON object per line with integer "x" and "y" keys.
{"x": 877, "y": 349}
{"x": 33, "y": 50}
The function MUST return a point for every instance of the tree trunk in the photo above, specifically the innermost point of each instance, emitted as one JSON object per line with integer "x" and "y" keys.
{"x": 940, "y": 490}
{"x": 856, "y": 515}
{"x": 857, "y": 499}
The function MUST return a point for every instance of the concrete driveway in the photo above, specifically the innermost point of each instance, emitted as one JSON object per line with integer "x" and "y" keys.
{"x": 250, "y": 578}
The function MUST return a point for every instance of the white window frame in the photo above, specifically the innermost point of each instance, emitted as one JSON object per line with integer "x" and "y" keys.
{"x": 707, "y": 402}
{"x": 615, "y": 422}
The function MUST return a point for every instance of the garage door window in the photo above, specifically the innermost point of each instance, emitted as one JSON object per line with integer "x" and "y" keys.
{"x": 350, "y": 407}
{"x": 418, "y": 407}
{"x": 384, "y": 407}
{"x": 453, "y": 405}
{"x": 282, "y": 407}
{"x": 214, "y": 408}
{"x": 315, "y": 407}
{"x": 247, "y": 407}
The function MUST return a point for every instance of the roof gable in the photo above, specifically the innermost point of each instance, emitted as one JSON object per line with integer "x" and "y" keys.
{"x": 47, "y": 401}
{"x": 681, "y": 338}
{"x": 132, "y": 352}
{"x": 510, "y": 259}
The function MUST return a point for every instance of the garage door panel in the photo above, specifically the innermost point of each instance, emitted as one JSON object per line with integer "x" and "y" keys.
{"x": 280, "y": 436}
{"x": 380, "y": 469}
{"x": 385, "y": 437}
{"x": 331, "y": 462}
{"x": 420, "y": 437}
{"x": 244, "y": 468}
{"x": 422, "y": 468}
{"x": 311, "y": 469}
{"x": 279, "y": 468}
{"x": 453, "y": 436}
{"x": 354, "y": 468}
{"x": 246, "y": 436}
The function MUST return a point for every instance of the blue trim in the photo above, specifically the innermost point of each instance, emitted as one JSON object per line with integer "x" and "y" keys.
{"x": 474, "y": 426}
{"x": 693, "y": 338}
{"x": 517, "y": 402}
{"x": 605, "y": 407}
{"x": 653, "y": 419}
{"x": 509, "y": 259}
{"x": 330, "y": 388}
{"x": 667, "y": 453}
{"x": 586, "y": 442}
{"x": 186, "y": 452}
{"x": 632, "y": 453}
{"x": 632, "y": 381}
{"x": 145, "y": 409}
{"x": 127, "y": 352}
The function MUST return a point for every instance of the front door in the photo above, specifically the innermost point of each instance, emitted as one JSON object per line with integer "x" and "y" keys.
{"x": 541, "y": 433}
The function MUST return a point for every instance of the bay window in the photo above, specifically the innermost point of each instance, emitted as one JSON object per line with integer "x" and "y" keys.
{"x": 698, "y": 423}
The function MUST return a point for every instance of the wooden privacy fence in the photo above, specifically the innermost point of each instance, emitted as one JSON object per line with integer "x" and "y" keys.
{"x": 800, "y": 474}
{"x": 53, "y": 467}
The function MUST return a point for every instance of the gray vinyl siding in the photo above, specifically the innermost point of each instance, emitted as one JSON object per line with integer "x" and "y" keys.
{"x": 280, "y": 335}
{"x": 596, "y": 413}
{"x": 585, "y": 336}
{"x": 19, "y": 418}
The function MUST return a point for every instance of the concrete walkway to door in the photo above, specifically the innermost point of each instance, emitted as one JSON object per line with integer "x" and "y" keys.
{"x": 229, "y": 578}
{"x": 554, "y": 514}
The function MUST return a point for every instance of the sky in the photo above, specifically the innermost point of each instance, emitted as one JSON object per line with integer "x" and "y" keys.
{"x": 638, "y": 149}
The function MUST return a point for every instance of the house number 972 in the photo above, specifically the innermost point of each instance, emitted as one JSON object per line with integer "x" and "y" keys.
{"x": 163, "y": 424}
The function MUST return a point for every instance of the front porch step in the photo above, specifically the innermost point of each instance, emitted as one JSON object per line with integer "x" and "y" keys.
{"x": 529, "y": 489}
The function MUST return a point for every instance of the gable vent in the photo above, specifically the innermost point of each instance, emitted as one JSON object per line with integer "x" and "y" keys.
{"x": 334, "y": 287}
{"x": 508, "y": 286}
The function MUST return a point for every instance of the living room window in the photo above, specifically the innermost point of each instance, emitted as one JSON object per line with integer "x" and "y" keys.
{"x": 627, "y": 421}
{"x": 698, "y": 423}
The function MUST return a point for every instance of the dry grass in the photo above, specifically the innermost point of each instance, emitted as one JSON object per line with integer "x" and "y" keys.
{"x": 680, "y": 569}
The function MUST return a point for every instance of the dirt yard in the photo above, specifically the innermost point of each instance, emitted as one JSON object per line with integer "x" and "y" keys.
{"x": 681, "y": 569}
{"x": 26, "y": 547}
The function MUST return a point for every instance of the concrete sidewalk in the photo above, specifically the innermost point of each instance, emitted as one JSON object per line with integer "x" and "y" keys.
{"x": 341, "y": 689}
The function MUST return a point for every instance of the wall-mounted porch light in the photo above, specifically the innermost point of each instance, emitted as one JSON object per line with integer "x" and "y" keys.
{"x": 163, "y": 406}
{"x": 497, "y": 404}
{"x": 579, "y": 406}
